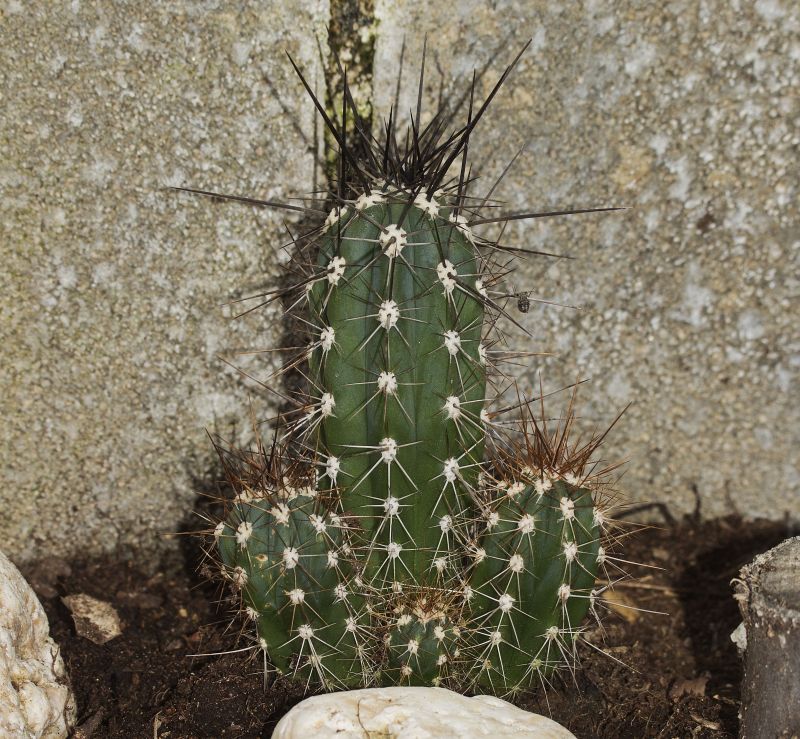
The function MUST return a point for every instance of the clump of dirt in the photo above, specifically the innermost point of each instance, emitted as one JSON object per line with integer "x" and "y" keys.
{"x": 173, "y": 673}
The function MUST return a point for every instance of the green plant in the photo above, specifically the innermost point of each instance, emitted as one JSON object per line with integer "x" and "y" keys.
{"x": 398, "y": 532}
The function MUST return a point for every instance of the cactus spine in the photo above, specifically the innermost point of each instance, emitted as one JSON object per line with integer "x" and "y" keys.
{"x": 396, "y": 534}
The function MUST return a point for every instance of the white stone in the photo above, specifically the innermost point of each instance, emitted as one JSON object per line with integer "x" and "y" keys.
{"x": 412, "y": 713}
{"x": 35, "y": 697}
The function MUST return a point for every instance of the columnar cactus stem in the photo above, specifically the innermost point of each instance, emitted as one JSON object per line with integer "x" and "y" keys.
{"x": 400, "y": 377}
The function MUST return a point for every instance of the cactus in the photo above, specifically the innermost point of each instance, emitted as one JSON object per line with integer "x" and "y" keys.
{"x": 399, "y": 531}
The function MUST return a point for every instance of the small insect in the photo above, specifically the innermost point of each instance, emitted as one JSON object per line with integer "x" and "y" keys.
{"x": 523, "y": 298}
{"x": 523, "y": 301}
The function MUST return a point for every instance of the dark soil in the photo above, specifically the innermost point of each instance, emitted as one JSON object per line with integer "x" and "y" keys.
{"x": 673, "y": 675}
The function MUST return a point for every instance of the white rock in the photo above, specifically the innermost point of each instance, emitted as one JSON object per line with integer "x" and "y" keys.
{"x": 412, "y": 713}
{"x": 35, "y": 697}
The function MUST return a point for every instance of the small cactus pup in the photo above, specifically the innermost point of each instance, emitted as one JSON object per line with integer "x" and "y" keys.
{"x": 284, "y": 549}
{"x": 537, "y": 554}
{"x": 401, "y": 530}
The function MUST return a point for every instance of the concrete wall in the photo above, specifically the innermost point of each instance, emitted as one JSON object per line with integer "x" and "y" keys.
{"x": 688, "y": 114}
{"x": 112, "y": 289}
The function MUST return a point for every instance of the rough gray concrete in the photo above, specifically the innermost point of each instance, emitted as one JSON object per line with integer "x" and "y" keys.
{"x": 112, "y": 289}
{"x": 688, "y": 113}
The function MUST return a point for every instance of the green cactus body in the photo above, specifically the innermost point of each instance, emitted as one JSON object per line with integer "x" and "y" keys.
{"x": 447, "y": 581}
{"x": 428, "y": 546}
{"x": 531, "y": 586}
{"x": 401, "y": 382}
{"x": 286, "y": 556}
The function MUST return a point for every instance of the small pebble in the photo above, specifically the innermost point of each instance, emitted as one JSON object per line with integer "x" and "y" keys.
{"x": 95, "y": 619}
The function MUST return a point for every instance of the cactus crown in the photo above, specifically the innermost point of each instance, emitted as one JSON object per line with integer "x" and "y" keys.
{"x": 399, "y": 531}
